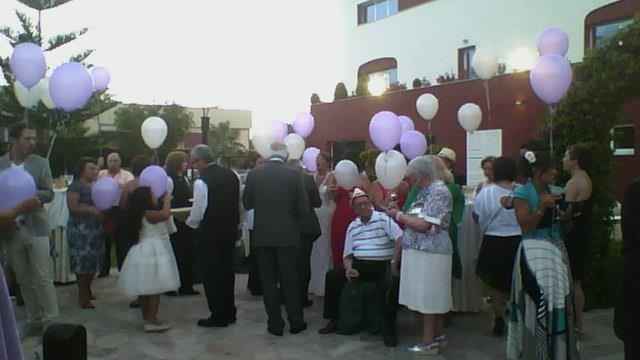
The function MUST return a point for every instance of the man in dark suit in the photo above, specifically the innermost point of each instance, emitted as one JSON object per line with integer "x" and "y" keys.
{"x": 216, "y": 214}
{"x": 276, "y": 193}
{"x": 310, "y": 230}
{"x": 631, "y": 238}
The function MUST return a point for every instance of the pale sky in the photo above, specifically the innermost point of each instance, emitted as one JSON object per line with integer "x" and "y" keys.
{"x": 263, "y": 56}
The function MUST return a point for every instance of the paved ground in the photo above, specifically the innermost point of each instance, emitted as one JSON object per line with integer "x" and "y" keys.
{"x": 115, "y": 333}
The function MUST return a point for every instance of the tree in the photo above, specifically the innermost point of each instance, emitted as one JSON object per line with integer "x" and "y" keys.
{"x": 47, "y": 121}
{"x": 341, "y": 92}
{"x": 315, "y": 99}
{"x": 417, "y": 83}
{"x": 129, "y": 119}
{"x": 223, "y": 144}
{"x": 605, "y": 81}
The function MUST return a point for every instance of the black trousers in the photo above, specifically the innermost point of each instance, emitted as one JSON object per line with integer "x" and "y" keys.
{"x": 279, "y": 266}
{"x": 117, "y": 238}
{"x": 216, "y": 264}
{"x": 387, "y": 288}
{"x": 183, "y": 247}
{"x": 305, "y": 266}
{"x": 254, "y": 283}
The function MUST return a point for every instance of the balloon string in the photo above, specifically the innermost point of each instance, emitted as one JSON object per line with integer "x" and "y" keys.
{"x": 488, "y": 96}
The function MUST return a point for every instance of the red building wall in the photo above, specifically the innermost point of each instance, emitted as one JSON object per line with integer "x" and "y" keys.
{"x": 514, "y": 108}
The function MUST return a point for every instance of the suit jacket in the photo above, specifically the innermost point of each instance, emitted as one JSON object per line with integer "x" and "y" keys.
{"x": 310, "y": 224}
{"x": 38, "y": 167}
{"x": 277, "y": 195}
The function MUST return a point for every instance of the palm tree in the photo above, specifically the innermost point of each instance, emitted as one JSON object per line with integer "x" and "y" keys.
{"x": 223, "y": 142}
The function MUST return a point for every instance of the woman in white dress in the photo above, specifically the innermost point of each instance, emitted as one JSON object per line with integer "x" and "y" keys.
{"x": 321, "y": 253}
{"x": 150, "y": 268}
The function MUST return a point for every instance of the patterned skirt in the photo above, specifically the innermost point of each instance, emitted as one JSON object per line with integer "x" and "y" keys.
{"x": 86, "y": 246}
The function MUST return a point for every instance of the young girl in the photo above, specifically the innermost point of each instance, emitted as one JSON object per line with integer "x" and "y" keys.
{"x": 150, "y": 268}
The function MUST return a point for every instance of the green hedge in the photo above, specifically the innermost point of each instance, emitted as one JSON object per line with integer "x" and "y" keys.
{"x": 608, "y": 78}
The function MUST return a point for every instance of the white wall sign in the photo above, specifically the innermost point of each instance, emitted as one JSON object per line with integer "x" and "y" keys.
{"x": 481, "y": 144}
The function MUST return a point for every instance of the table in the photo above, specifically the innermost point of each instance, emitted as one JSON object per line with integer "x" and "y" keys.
{"x": 58, "y": 213}
{"x": 467, "y": 291}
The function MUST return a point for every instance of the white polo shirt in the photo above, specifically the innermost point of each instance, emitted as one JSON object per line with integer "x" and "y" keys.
{"x": 374, "y": 240}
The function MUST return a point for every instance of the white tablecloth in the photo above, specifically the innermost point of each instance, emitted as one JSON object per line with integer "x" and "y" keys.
{"x": 58, "y": 216}
{"x": 467, "y": 291}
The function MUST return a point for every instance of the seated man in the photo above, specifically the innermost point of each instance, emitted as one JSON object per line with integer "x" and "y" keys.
{"x": 369, "y": 247}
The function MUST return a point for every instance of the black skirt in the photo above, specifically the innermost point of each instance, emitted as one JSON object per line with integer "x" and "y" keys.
{"x": 496, "y": 259}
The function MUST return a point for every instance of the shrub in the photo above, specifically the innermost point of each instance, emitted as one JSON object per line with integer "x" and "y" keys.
{"x": 341, "y": 92}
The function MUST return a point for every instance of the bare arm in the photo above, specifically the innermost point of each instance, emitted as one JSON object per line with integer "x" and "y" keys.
{"x": 529, "y": 221}
{"x": 158, "y": 216}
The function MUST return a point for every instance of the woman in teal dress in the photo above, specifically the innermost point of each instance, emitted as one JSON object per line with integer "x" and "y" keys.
{"x": 540, "y": 318}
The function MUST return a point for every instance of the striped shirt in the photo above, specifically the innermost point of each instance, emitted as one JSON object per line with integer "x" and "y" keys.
{"x": 374, "y": 240}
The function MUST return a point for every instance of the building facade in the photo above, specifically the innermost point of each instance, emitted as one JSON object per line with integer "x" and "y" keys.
{"x": 237, "y": 119}
{"x": 397, "y": 41}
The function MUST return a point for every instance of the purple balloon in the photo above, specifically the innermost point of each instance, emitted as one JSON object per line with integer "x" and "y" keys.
{"x": 70, "y": 86}
{"x": 406, "y": 123}
{"x": 310, "y": 159}
{"x": 413, "y": 144}
{"x": 28, "y": 64}
{"x": 553, "y": 41}
{"x": 385, "y": 130}
{"x": 304, "y": 124}
{"x": 101, "y": 78}
{"x": 551, "y": 78}
{"x": 156, "y": 178}
{"x": 280, "y": 130}
{"x": 16, "y": 186}
{"x": 104, "y": 193}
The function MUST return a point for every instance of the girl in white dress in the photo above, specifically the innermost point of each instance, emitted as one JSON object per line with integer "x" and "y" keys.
{"x": 321, "y": 253}
{"x": 150, "y": 268}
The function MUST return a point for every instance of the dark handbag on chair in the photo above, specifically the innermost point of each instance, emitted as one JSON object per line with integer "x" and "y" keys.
{"x": 65, "y": 341}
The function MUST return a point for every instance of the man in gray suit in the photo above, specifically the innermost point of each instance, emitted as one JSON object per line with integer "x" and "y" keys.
{"x": 276, "y": 193}
{"x": 28, "y": 245}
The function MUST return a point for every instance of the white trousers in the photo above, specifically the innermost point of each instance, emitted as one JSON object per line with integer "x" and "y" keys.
{"x": 30, "y": 259}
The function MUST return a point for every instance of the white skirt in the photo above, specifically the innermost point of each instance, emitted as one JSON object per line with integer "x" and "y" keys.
{"x": 425, "y": 282}
{"x": 149, "y": 269}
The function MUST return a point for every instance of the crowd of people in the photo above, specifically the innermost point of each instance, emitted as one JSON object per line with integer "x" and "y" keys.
{"x": 366, "y": 250}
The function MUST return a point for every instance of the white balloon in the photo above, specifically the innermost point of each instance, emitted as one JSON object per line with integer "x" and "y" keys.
{"x": 470, "y": 117}
{"x": 154, "y": 132}
{"x": 484, "y": 64}
{"x": 391, "y": 167}
{"x": 28, "y": 98}
{"x": 346, "y": 173}
{"x": 262, "y": 144}
{"x": 45, "y": 97}
{"x": 295, "y": 146}
{"x": 427, "y": 106}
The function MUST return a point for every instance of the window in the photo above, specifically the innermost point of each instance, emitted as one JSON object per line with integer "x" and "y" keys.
{"x": 465, "y": 70}
{"x": 388, "y": 77}
{"x": 604, "y": 32}
{"x": 375, "y": 10}
{"x": 623, "y": 140}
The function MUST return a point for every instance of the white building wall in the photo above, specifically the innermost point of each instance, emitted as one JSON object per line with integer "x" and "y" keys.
{"x": 425, "y": 39}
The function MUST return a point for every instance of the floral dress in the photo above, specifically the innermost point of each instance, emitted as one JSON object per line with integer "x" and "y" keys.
{"x": 85, "y": 235}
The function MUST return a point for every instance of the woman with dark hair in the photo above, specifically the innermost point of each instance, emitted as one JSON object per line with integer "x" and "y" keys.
{"x": 84, "y": 231}
{"x": 150, "y": 267}
{"x": 577, "y": 219}
{"x": 487, "y": 165}
{"x": 541, "y": 286}
{"x": 501, "y": 238}
{"x": 183, "y": 240}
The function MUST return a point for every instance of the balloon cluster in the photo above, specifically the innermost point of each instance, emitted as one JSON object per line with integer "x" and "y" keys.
{"x": 552, "y": 75}
{"x": 278, "y": 131}
{"x": 69, "y": 88}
